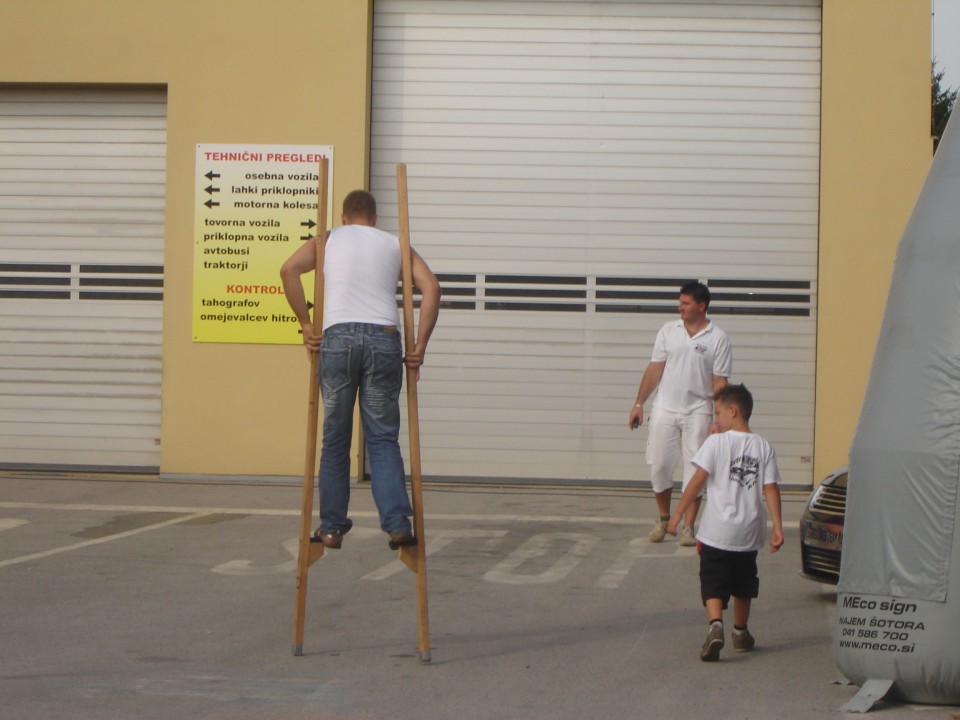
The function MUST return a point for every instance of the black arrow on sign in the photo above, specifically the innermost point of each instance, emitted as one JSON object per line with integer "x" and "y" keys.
{"x": 211, "y": 203}
{"x": 211, "y": 189}
{"x": 309, "y": 224}
{"x": 211, "y": 175}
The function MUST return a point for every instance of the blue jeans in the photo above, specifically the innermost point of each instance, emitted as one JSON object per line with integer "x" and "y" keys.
{"x": 358, "y": 357}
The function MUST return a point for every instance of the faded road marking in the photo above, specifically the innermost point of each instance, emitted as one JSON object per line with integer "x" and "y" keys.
{"x": 437, "y": 541}
{"x": 539, "y": 545}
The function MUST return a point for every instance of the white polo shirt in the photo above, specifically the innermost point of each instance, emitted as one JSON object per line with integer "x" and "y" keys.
{"x": 361, "y": 268}
{"x": 691, "y": 362}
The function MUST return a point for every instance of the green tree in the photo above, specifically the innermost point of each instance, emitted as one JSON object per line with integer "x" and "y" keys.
{"x": 943, "y": 101}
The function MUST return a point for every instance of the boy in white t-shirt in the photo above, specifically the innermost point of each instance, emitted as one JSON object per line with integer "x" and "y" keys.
{"x": 738, "y": 469}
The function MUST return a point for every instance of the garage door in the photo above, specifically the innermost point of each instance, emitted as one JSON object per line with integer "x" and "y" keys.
{"x": 570, "y": 165}
{"x": 81, "y": 276}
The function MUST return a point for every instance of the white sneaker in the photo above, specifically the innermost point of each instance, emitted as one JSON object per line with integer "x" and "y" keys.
{"x": 659, "y": 532}
{"x": 687, "y": 538}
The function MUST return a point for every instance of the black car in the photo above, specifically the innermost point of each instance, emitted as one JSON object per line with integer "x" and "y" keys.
{"x": 821, "y": 529}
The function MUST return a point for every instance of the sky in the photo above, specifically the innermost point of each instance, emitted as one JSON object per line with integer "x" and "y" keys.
{"x": 946, "y": 40}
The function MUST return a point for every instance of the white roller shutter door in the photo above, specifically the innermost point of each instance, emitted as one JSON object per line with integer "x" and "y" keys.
{"x": 81, "y": 276}
{"x": 570, "y": 165}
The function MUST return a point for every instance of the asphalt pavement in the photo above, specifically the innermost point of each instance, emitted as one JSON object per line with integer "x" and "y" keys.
{"x": 128, "y": 597}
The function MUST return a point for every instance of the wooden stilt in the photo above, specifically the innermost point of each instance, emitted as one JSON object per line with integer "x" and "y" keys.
{"x": 310, "y": 552}
{"x": 413, "y": 556}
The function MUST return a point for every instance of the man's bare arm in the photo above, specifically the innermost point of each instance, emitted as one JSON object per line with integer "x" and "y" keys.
{"x": 304, "y": 260}
{"x": 649, "y": 383}
{"x": 428, "y": 285}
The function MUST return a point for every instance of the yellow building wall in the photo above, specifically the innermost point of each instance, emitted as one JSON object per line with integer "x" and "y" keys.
{"x": 287, "y": 72}
{"x": 297, "y": 72}
{"x": 875, "y": 150}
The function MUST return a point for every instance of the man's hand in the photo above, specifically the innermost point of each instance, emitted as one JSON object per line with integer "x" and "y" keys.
{"x": 414, "y": 361}
{"x": 636, "y": 417}
{"x": 673, "y": 523}
{"x": 311, "y": 340}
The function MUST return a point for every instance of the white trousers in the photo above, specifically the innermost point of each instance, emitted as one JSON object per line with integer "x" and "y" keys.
{"x": 671, "y": 436}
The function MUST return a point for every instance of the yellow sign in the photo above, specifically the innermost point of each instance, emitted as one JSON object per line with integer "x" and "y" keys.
{"x": 255, "y": 204}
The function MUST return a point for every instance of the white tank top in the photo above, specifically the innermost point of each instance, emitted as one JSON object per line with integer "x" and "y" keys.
{"x": 361, "y": 268}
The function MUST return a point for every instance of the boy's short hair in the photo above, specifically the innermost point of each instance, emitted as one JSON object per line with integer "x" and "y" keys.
{"x": 698, "y": 291}
{"x": 360, "y": 203}
{"x": 738, "y": 396}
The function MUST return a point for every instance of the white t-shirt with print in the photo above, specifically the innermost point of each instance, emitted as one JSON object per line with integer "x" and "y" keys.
{"x": 739, "y": 465}
{"x": 686, "y": 385}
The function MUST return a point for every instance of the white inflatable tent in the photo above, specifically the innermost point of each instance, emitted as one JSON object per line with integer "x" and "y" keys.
{"x": 898, "y": 598}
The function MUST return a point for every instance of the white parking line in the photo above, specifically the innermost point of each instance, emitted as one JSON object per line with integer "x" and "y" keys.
{"x": 98, "y": 541}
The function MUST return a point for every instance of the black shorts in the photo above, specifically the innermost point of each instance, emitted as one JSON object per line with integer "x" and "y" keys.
{"x": 725, "y": 572}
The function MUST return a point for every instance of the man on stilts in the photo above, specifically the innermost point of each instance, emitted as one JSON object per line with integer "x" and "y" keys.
{"x": 361, "y": 355}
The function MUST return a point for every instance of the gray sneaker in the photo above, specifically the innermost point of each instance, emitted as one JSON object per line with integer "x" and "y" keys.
{"x": 659, "y": 532}
{"x": 743, "y": 641}
{"x": 686, "y": 537}
{"x": 710, "y": 652}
